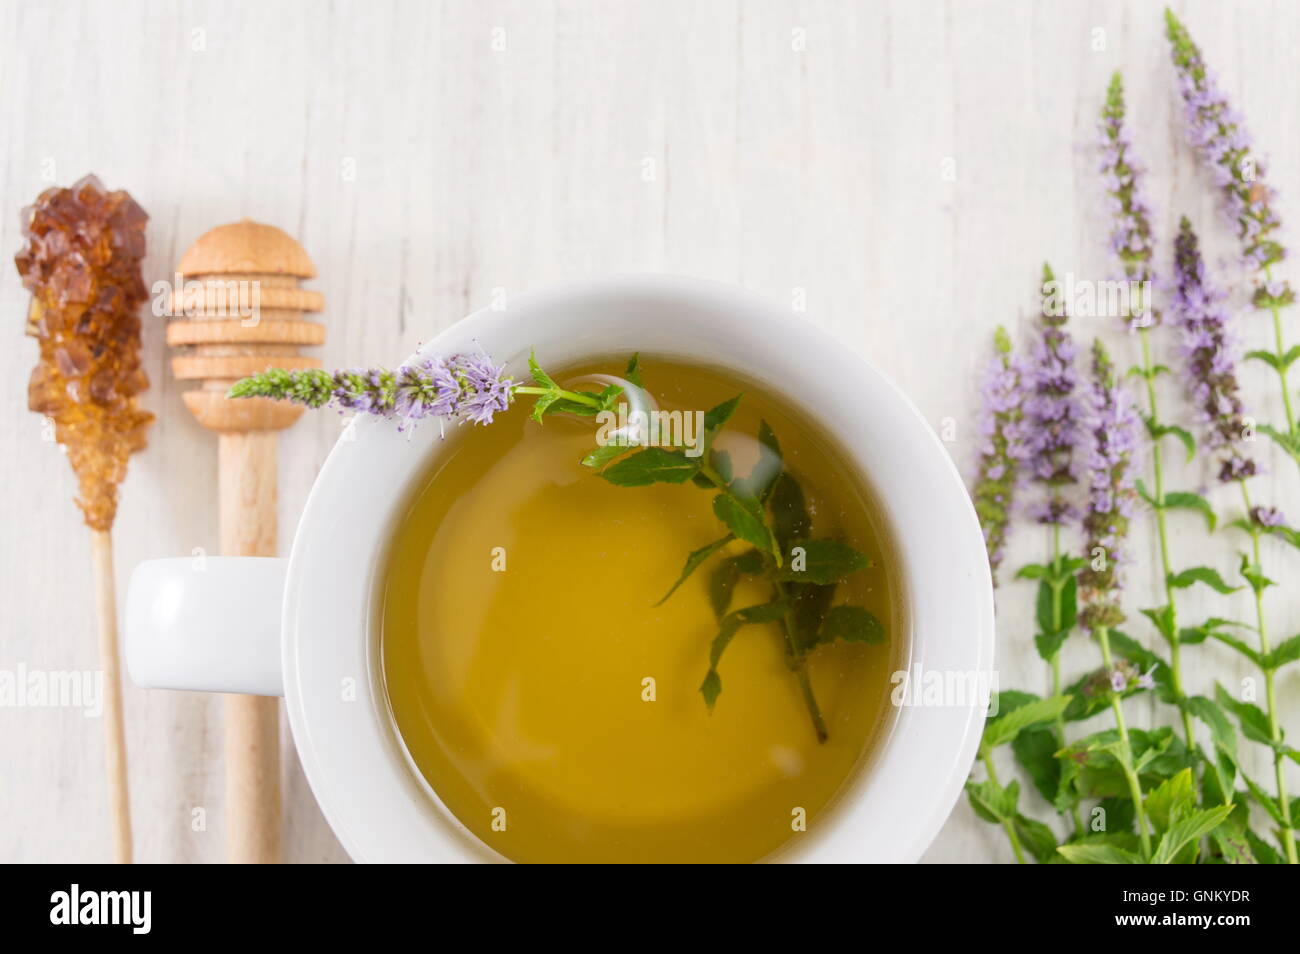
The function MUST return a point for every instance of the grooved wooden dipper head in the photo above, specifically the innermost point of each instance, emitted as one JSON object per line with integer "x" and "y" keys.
{"x": 240, "y": 311}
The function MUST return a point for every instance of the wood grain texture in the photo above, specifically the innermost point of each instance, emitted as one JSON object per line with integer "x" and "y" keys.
{"x": 248, "y": 464}
{"x": 896, "y": 172}
{"x": 116, "y": 761}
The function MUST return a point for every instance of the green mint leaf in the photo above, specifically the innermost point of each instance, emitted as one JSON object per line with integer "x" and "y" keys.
{"x": 790, "y": 519}
{"x": 1239, "y": 645}
{"x": 722, "y": 584}
{"x": 605, "y": 453}
{"x": 541, "y": 377}
{"x": 1189, "y": 831}
{"x": 1266, "y": 801}
{"x": 1035, "y": 751}
{"x": 1098, "y": 854}
{"x": 1201, "y": 574}
{"x": 991, "y": 801}
{"x": 1049, "y": 644}
{"x": 1254, "y": 575}
{"x": 716, "y": 417}
{"x": 1254, "y": 723}
{"x": 853, "y": 624}
{"x": 544, "y": 403}
{"x": 633, "y": 370}
{"x": 1288, "y": 534}
{"x": 1171, "y": 801}
{"x": 1284, "y": 652}
{"x": 1036, "y": 837}
{"x": 743, "y": 522}
{"x": 1182, "y": 500}
{"x": 1033, "y": 571}
{"x": 1006, "y": 726}
{"x": 650, "y": 466}
{"x": 711, "y": 687}
{"x": 1264, "y": 853}
{"x": 1163, "y": 617}
{"x": 1230, "y": 839}
{"x": 609, "y": 397}
{"x": 811, "y": 603}
{"x": 562, "y": 405}
{"x": 1288, "y": 442}
{"x": 693, "y": 562}
{"x": 1268, "y": 357}
{"x": 1043, "y": 608}
{"x": 1145, "y": 494}
{"x": 1224, "y": 739}
{"x": 727, "y": 628}
{"x": 1158, "y": 430}
{"x": 820, "y": 561}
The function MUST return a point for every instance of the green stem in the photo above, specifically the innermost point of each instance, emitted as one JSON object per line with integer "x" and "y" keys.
{"x": 1281, "y": 357}
{"x": 576, "y": 396}
{"x": 1126, "y": 750}
{"x": 1055, "y": 661}
{"x": 797, "y": 660}
{"x": 987, "y": 758}
{"x": 795, "y": 654}
{"x": 1157, "y": 466}
{"x": 1270, "y": 695}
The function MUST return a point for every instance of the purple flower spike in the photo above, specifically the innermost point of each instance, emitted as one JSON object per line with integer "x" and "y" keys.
{"x": 1113, "y": 428}
{"x": 1051, "y": 410}
{"x": 1002, "y": 448}
{"x": 461, "y": 388}
{"x": 1210, "y": 353}
{"x": 1131, "y": 239}
{"x": 1218, "y": 135}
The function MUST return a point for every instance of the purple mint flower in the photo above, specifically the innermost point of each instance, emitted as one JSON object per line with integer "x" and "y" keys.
{"x": 1266, "y": 518}
{"x": 1118, "y": 680}
{"x": 485, "y": 387}
{"x": 1131, "y": 240}
{"x": 1147, "y": 680}
{"x": 1113, "y": 425}
{"x": 1002, "y": 447}
{"x": 1218, "y": 135}
{"x": 1210, "y": 353}
{"x": 464, "y": 388}
{"x": 1051, "y": 410}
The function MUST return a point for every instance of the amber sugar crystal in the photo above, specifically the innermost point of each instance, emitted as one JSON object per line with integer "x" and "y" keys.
{"x": 81, "y": 262}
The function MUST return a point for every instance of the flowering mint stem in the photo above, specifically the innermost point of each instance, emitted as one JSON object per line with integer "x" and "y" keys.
{"x": 1158, "y": 482}
{"x": 1126, "y": 750}
{"x": 1133, "y": 245}
{"x": 575, "y": 396}
{"x": 1217, "y": 132}
{"x": 1270, "y": 694}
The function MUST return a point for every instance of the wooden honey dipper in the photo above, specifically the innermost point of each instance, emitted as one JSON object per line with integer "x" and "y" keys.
{"x": 243, "y": 311}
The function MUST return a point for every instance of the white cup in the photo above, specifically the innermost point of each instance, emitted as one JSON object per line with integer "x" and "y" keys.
{"x": 305, "y": 627}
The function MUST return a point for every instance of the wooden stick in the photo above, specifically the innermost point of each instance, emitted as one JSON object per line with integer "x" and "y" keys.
{"x": 216, "y": 347}
{"x": 119, "y": 799}
{"x": 248, "y": 463}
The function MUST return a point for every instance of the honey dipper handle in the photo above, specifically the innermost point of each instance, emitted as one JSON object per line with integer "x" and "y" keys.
{"x": 119, "y": 801}
{"x": 248, "y": 528}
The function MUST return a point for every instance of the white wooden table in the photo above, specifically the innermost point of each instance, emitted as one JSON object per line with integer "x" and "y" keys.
{"x": 900, "y": 170}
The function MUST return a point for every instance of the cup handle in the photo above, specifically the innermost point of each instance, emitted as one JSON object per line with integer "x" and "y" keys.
{"x": 206, "y": 623}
